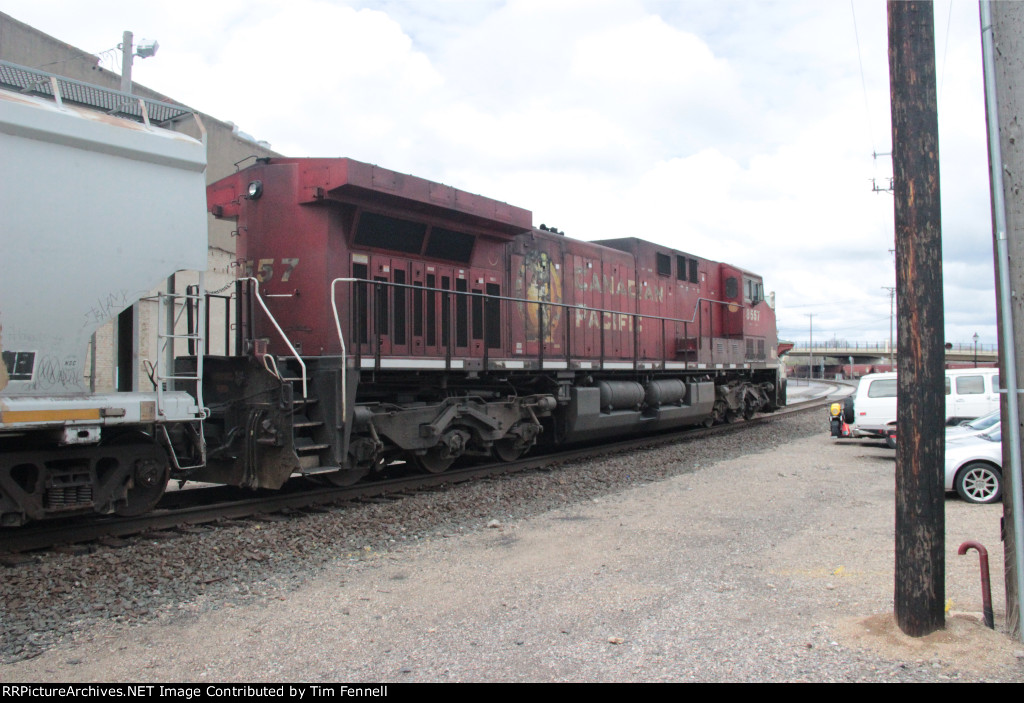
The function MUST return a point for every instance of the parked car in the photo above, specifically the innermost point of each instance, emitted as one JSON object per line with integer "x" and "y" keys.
{"x": 974, "y": 465}
{"x": 871, "y": 412}
{"x": 973, "y": 427}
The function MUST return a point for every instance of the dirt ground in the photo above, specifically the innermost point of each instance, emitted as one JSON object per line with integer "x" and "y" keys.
{"x": 773, "y": 567}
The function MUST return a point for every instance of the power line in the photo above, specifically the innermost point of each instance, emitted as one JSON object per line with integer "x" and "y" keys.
{"x": 863, "y": 83}
{"x": 945, "y": 53}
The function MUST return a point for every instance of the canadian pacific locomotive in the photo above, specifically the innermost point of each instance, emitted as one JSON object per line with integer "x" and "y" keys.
{"x": 377, "y": 318}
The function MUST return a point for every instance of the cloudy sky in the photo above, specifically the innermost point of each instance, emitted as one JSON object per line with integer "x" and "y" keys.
{"x": 736, "y": 130}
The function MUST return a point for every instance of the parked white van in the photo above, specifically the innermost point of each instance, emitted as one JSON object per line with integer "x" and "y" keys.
{"x": 970, "y": 393}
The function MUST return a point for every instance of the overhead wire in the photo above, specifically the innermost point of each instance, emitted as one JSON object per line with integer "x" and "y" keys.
{"x": 863, "y": 82}
{"x": 945, "y": 54}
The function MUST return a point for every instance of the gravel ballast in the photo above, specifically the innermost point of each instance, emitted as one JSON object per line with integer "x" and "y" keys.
{"x": 760, "y": 555}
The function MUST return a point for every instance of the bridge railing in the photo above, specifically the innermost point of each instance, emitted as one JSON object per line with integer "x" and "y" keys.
{"x": 833, "y": 345}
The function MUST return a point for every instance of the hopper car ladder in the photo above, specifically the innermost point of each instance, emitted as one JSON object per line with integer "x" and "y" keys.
{"x": 164, "y": 375}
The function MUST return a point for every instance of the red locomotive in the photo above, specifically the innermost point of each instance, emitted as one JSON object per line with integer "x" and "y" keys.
{"x": 377, "y": 318}
{"x": 384, "y": 317}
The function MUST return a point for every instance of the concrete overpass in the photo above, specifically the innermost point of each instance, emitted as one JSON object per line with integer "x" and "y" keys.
{"x": 878, "y": 353}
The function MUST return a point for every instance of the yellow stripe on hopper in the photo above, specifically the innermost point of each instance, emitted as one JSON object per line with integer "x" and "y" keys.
{"x": 12, "y": 416}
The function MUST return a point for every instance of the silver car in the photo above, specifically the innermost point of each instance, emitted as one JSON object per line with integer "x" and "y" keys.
{"x": 974, "y": 427}
{"x": 974, "y": 465}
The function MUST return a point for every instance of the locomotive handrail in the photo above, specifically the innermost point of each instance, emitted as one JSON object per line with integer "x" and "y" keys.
{"x": 341, "y": 339}
{"x": 570, "y": 306}
{"x": 490, "y": 297}
{"x": 259, "y": 299}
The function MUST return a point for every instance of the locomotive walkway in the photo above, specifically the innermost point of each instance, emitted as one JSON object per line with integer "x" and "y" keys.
{"x": 772, "y": 566}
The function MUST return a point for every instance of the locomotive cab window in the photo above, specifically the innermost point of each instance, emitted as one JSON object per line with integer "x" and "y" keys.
{"x": 732, "y": 287}
{"x": 753, "y": 291}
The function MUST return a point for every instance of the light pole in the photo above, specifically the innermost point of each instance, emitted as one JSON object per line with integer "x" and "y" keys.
{"x": 128, "y": 53}
{"x": 892, "y": 304}
{"x": 129, "y": 324}
{"x": 975, "y": 350}
{"x": 810, "y": 349}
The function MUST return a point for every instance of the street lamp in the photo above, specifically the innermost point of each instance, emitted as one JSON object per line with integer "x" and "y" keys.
{"x": 975, "y": 350}
{"x": 143, "y": 50}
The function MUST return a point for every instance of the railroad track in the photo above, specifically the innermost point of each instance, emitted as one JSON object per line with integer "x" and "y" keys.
{"x": 201, "y": 506}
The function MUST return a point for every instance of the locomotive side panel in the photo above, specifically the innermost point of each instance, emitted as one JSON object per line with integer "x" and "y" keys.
{"x": 599, "y": 289}
{"x": 591, "y": 317}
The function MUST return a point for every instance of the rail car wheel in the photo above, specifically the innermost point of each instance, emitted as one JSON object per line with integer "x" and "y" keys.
{"x": 150, "y": 471}
{"x": 149, "y": 480}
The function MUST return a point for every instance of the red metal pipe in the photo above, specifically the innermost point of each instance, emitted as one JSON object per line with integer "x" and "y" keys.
{"x": 986, "y": 586}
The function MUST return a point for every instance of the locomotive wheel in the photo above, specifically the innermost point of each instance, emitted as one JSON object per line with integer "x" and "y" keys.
{"x": 507, "y": 450}
{"x": 437, "y": 460}
{"x": 345, "y": 477}
{"x": 748, "y": 410}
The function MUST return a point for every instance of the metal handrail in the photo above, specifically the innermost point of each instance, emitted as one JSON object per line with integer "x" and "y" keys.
{"x": 341, "y": 339}
{"x": 567, "y": 306}
{"x": 962, "y": 347}
{"x": 489, "y": 297}
{"x": 62, "y": 89}
{"x": 270, "y": 316}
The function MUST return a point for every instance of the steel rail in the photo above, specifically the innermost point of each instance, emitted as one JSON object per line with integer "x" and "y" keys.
{"x": 90, "y": 529}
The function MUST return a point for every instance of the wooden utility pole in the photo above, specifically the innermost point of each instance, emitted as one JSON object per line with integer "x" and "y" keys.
{"x": 1002, "y": 28}
{"x": 920, "y": 451}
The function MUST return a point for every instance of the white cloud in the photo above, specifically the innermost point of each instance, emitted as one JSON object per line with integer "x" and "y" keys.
{"x": 736, "y": 131}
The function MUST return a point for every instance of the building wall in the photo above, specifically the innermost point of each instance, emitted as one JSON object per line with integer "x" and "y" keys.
{"x": 25, "y": 45}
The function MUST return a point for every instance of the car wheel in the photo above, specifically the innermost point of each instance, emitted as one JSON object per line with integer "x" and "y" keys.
{"x": 890, "y": 441}
{"x": 979, "y": 483}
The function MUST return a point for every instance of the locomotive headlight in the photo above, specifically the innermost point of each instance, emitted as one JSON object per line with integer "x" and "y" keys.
{"x": 255, "y": 190}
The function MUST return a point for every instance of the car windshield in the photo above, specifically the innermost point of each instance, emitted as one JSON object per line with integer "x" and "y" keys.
{"x": 994, "y": 434}
{"x": 983, "y": 422}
